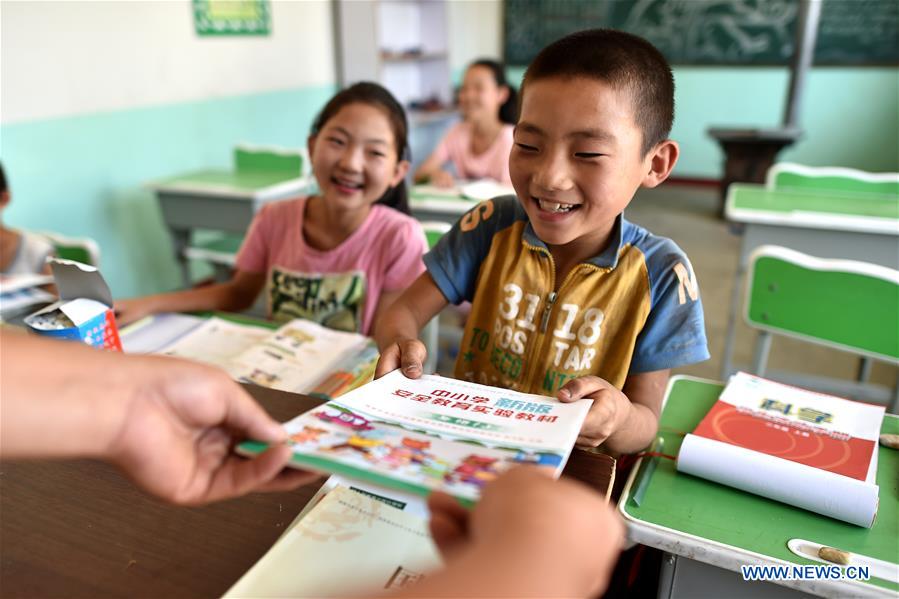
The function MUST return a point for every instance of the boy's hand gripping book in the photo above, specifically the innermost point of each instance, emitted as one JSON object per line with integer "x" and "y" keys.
{"x": 432, "y": 433}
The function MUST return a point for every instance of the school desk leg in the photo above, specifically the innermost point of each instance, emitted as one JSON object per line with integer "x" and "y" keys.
{"x": 760, "y": 356}
{"x": 180, "y": 241}
{"x": 893, "y": 408}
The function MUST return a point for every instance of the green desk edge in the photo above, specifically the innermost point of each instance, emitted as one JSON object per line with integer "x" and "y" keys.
{"x": 242, "y": 180}
{"x": 760, "y": 199}
{"x": 843, "y": 184}
{"x": 227, "y": 243}
{"x": 240, "y": 319}
{"x": 417, "y": 193}
{"x": 718, "y": 513}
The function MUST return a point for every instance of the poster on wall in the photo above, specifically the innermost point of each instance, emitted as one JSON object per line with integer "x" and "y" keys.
{"x": 232, "y": 17}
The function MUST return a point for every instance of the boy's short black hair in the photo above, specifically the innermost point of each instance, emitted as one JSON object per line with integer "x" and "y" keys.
{"x": 3, "y": 185}
{"x": 621, "y": 59}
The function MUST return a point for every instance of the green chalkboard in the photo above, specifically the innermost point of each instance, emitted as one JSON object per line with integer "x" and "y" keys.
{"x": 713, "y": 32}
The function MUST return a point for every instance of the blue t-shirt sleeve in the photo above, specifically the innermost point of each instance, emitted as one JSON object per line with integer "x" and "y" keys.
{"x": 455, "y": 261}
{"x": 674, "y": 332}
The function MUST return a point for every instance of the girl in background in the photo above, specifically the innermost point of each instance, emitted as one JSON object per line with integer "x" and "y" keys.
{"x": 479, "y": 145}
{"x": 21, "y": 252}
{"x": 339, "y": 257}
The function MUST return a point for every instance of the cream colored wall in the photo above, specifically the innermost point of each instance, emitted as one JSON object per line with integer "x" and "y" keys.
{"x": 62, "y": 59}
{"x": 475, "y": 31}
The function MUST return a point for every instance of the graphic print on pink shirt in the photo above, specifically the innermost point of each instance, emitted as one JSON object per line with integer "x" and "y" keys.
{"x": 335, "y": 300}
{"x": 340, "y": 286}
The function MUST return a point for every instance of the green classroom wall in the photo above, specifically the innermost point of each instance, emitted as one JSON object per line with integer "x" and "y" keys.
{"x": 84, "y": 175}
{"x": 850, "y": 116}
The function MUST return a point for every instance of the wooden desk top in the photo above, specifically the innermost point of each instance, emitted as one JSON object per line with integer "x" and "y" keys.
{"x": 80, "y": 529}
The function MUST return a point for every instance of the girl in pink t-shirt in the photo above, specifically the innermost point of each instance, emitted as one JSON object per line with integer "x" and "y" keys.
{"x": 338, "y": 257}
{"x": 479, "y": 146}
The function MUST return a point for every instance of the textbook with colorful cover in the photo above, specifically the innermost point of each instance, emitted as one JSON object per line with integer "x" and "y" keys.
{"x": 806, "y": 449}
{"x": 432, "y": 433}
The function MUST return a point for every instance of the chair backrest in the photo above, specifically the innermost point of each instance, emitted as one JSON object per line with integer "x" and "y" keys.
{"x": 79, "y": 249}
{"x": 832, "y": 180}
{"x": 221, "y": 250}
{"x": 258, "y": 158}
{"x": 845, "y": 304}
{"x": 434, "y": 230}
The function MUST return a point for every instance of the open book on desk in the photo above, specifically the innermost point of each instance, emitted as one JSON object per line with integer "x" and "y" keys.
{"x": 20, "y": 293}
{"x": 432, "y": 433}
{"x": 299, "y": 356}
{"x": 806, "y": 449}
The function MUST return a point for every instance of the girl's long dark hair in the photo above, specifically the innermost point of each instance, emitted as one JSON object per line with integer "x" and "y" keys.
{"x": 373, "y": 94}
{"x": 508, "y": 112}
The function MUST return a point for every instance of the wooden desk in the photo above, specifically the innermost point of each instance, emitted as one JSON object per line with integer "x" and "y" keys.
{"x": 219, "y": 200}
{"x": 749, "y": 153}
{"x": 710, "y": 530}
{"x": 852, "y": 227}
{"x": 80, "y": 529}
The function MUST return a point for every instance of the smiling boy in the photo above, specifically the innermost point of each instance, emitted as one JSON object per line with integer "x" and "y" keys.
{"x": 569, "y": 298}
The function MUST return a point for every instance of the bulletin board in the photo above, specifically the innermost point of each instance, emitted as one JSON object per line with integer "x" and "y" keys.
{"x": 713, "y": 32}
{"x": 232, "y": 17}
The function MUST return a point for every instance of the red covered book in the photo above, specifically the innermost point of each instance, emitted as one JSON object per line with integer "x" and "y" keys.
{"x": 807, "y": 449}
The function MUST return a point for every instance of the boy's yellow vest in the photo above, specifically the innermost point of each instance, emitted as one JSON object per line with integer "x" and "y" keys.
{"x": 633, "y": 308}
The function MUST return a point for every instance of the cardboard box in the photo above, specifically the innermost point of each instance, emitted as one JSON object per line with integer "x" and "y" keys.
{"x": 84, "y": 311}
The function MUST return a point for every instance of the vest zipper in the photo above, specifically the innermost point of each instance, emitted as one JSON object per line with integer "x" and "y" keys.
{"x": 550, "y": 300}
{"x": 544, "y": 340}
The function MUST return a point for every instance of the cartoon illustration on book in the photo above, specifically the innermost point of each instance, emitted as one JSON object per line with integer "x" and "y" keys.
{"x": 345, "y": 418}
{"x": 262, "y": 378}
{"x": 309, "y": 434}
{"x": 293, "y": 337}
{"x": 362, "y": 443}
{"x": 474, "y": 469}
{"x": 539, "y": 458}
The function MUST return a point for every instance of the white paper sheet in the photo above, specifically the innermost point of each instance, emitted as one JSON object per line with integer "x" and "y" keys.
{"x": 813, "y": 489}
{"x": 347, "y": 544}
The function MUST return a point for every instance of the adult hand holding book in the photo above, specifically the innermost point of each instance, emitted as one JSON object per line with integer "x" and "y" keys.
{"x": 168, "y": 424}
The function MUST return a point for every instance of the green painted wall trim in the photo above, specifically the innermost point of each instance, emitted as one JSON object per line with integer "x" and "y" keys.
{"x": 84, "y": 175}
{"x": 850, "y": 115}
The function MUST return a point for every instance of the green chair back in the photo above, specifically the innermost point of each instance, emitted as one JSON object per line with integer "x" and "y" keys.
{"x": 849, "y": 305}
{"x": 219, "y": 250}
{"x": 250, "y": 159}
{"x": 434, "y": 230}
{"x": 832, "y": 180}
{"x": 79, "y": 249}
